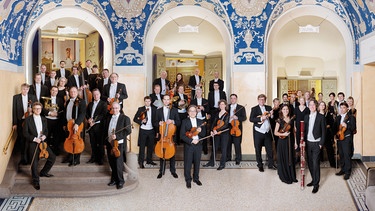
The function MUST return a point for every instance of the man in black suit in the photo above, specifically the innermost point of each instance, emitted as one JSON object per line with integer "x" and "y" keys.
{"x": 144, "y": 117}
{"x": 52, "y": 80}
{"x": 104, "y": 80}
{"x": 192, "y": 147}
{"x": 35, "y": 132}
{"x": 95, "y": 114}
{"x": 117, "y": 128}
{"x": 181, "y": 104}
{"x": 38, "y": 89}
{"x": 293, "y": 101}
{"x": 21, "y": 109}
{"x": 53, "y": 114}
{"x": 114, "y": 90}
{"x": 345, "y": 146}
{"x": 164, "y": 84}
{"x": 236, "y": 112}
{"x": 44, "y": 74}
{"x": 260, "y": 115}
{"x": 78, "y": 116}
{"x": 87, "y": 70}
{"x": 62, "y": 72}
{"x": 167, "y": 115}
{"x": 75, "y": 79}
{"x": 202, "y": 113}
{"x": 315, "y": 133}
{"x": 195, "y": 82}
{"x": 216, "y": 80}
{"x": 156, "y": 97}
{"x": 214, "y": 97}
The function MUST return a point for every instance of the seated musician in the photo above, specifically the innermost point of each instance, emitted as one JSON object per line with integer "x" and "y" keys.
{"x": 117, "y": 127}
{"x": 193, "y": 147}
{"x": 35, "y": 131}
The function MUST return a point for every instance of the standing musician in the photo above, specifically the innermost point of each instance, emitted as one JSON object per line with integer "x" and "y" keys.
{"x": 115, "y": 90}
{"x": 163, "y": 82}
{"x": 236, "y": 112}
{"x": 178, "y": 82}
{"x": 118, "y": 128}
{"x": 220, "y": 127}
{"x": 87, "y": 70}
{"x": 351, "y": 109}
{"x": 62, "y": 72}
{"x": 38, "y": 89}
{"x": 95, "y": 114}
{"x": 21, "y": 110}
{"x": 202, "y": 111}
{"x": 156, "y": 97}
{"x": 53, "y": 108}
{"x": 293, "y": 102}
{"x": 181, "y": 104}
{"x": 214, "y": 97}
{"x": 52, "y": 80}
{"x": 35, "y": 132}
{"x": 332, "y": 105}
{"x": 144, "y": 117}
{"x": 44, "y": 74}
{"x": 169, "y": 115}
{"x": 315, "y": 134}
{"x": 78, "y": 116}
{"x": 195, "y": 82}
{"x": 75, "y": 79}
{"x": 193, "y": 147}
{"x": 260, "y": 116}
{"x": 104, "y": 80}
{"x": 341, "y": 99}
{"x": 216, "y": 80}
{"x": 93, "y": 78}
{"x": 345, "y": 125}
{"x": 328, "y": 144}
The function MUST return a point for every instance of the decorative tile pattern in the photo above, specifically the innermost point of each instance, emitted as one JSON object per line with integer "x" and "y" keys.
{"x": 357, "y": 186}
{"x": 16, "y": 203}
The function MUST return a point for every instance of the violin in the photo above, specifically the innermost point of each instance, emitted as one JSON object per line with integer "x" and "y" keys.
{"x": 286, "y": 127}
{"x": 143, "y": 115}
{"x": 194, "y": 131}
{"x": 115, "y": 151}
{"x": 115, "y": 99}
{"x": 74, "y": 143}
{"x": 341, "y": 132}
{"x": 219, "y": 124}
{"x": 27, "y": 113}
{"x": 43, "y": 149}
{"x": 235, "y": 130}
{"x": 265, "y": 114}
{"x": 165, "y": 148}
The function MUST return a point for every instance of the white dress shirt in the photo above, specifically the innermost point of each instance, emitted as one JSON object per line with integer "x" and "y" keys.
{"x": 112, "y": 90}
{"x": 112, "y": 126}
{"x": 69, "y": 109}
{"x": 38, "y": 124}
{"x": 194, "y": 124}
{"x": 38, "y": 90}
{"x": 24, "y": 104}
{"x": 216, "y": 98}
{"x": 310, "y": 136}
{"x": 266, "y": 126}
{"x": 148, "y": 125}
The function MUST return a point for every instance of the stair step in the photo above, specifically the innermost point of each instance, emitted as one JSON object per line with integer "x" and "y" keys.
{"x": 63, "y": 167}
{"x": 67, "y": 178}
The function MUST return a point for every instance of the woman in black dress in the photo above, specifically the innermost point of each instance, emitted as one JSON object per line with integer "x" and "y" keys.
{"x": 285, "y": 146}
{"x": 328, "y": 144}
{"x": 300, "y": 113}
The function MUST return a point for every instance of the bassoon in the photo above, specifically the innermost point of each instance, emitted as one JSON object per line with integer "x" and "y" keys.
{"x": 303, "y": 157}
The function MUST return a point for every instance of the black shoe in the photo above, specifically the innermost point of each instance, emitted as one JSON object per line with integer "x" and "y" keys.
{"x": 92, "y": 160}
{"x": 261, "y": 169}
{"x": 152, "y": 163}
{"x": 174, "y": 175}
{"x": 340, "y": 173}
{"x": 66, "y": 160}
{"x": 315, "y": 189}
{"x": 141, "y": 165}
{"x": 273, "y": 167}
{"x": 74, "y": 164}
{"x": 159, "y": 176}
{"x": 111, "y": 183}
{"x": 45, "y": 175}
{"x": 208, "y": 165}
{"x": 36, "y": 185}
{"x": 220, "y": 168}
{"x": 205, "y": 152}
{"x": 198, "y": 182}
{"x": 347, "y": 176}
{"x": 120, "y": 185}
{"x": 188, "y": 184}
{"x": 228, "y": 159}
{"x": 295, "y": 180}
{"x": 238, "y": 162}
{"x": 310, "y": 184}
{"x": 100, "y": 163}
{"x": 22, "y": 162}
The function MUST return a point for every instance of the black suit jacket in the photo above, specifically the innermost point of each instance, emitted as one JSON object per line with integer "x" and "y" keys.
{"x": 17, "y": 111}
{"x": 219, "y": 81}
{"x": 123, "y": 93}
{"x": 241, "y": 114}
{"x": 86, "y": 74}
{"x": 101, "y": 84}
{"x": 99, "y": 114}
{"x": 154, "y": 98}
{"x": 193, "y": 82}
{"x": 255, "y": 113}
{"x": 44, "y": 92}
{"x": 175, "y": 104}
{"x": 67, "y": 73}
{"x": 211, "y": 99}
{"x": 204, "y": 104}
{"x": 81, "y": 112}
{"x": 29, "y": 130}
{"x": 186, "y": 126}
{"x": 72, "y": 81}
{"x": 351, "y": 124}
{"x": 319, "y": 130}
{"x": 140, "y": 111}
{"x": 60, "y": 104}
{"x": 173, "y": 115}
{"x": 158, "y": 81}
{"x": 49, "y": 83}
{"x": 122, "y": 122}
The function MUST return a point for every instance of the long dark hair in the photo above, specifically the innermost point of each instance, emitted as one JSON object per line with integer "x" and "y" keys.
{"x": 281, "y": 116}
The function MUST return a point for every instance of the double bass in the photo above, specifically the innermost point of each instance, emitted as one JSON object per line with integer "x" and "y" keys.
{"x": 74, "y": 144}
{"x": 165, "y": 148}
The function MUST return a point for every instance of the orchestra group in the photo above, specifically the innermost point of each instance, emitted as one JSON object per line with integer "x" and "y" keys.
{"x": 60, "y": 107}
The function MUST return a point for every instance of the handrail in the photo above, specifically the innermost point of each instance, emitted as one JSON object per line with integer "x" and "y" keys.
{"x": 5, "y": 149}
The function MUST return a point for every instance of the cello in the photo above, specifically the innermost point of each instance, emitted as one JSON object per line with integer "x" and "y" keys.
{"x": 165, "y": 148}
{"x": 74, "y": 143}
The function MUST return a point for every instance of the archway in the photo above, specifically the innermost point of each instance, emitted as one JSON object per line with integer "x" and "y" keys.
{"x": 62, "y": 12}
{"x": 194, "y": 11}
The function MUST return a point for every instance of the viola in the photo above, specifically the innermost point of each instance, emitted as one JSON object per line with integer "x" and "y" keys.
{"x": 341, "y": 132}
{"x": 143, "y": 115}
{"x": 115, "y": 99}
{"x": 165, "y": 148}
{"x": 43, "y": 150}
{"x": 115, "y": 151}
{"x": 219, "y": 124}
{"x": 286, "y": 127}
{"x": 235, "y": 130}
{"x": 194, "y": 131}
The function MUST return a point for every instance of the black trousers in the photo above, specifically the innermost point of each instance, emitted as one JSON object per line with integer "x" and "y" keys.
{"x": 260, "y": 140}
{"x": 96, "y": 142}
{"x": 22, "y": 144}
{"x": 222, "y": 142}
{"x": 177, "y": 136}
{"x": 117, "y": 164}
{"x": 313, "y": 157}
{"x": 328, "y": 144}
{"x": 54, "y": 134}
{"x": 345, "y": 151}
{"x": 236, "y": 141}
{"x": 146, "y": 139}
{"x": 172, "y": 165}
{"x": 192, "y": 154}
{"x": 34, "y": 166}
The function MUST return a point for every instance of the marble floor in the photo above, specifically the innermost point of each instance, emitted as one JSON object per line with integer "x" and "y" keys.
{"x": 229, "y": 189}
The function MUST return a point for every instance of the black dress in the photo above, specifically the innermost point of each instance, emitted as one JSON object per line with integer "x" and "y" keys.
{"x": 285, "y": 156}
{"x": 300, "y": 115}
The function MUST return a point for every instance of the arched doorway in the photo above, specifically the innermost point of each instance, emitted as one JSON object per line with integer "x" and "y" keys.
{"x": 64, "y": 12}
{"x": 335, "y": 41}
{"x": 196, "y": 12}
